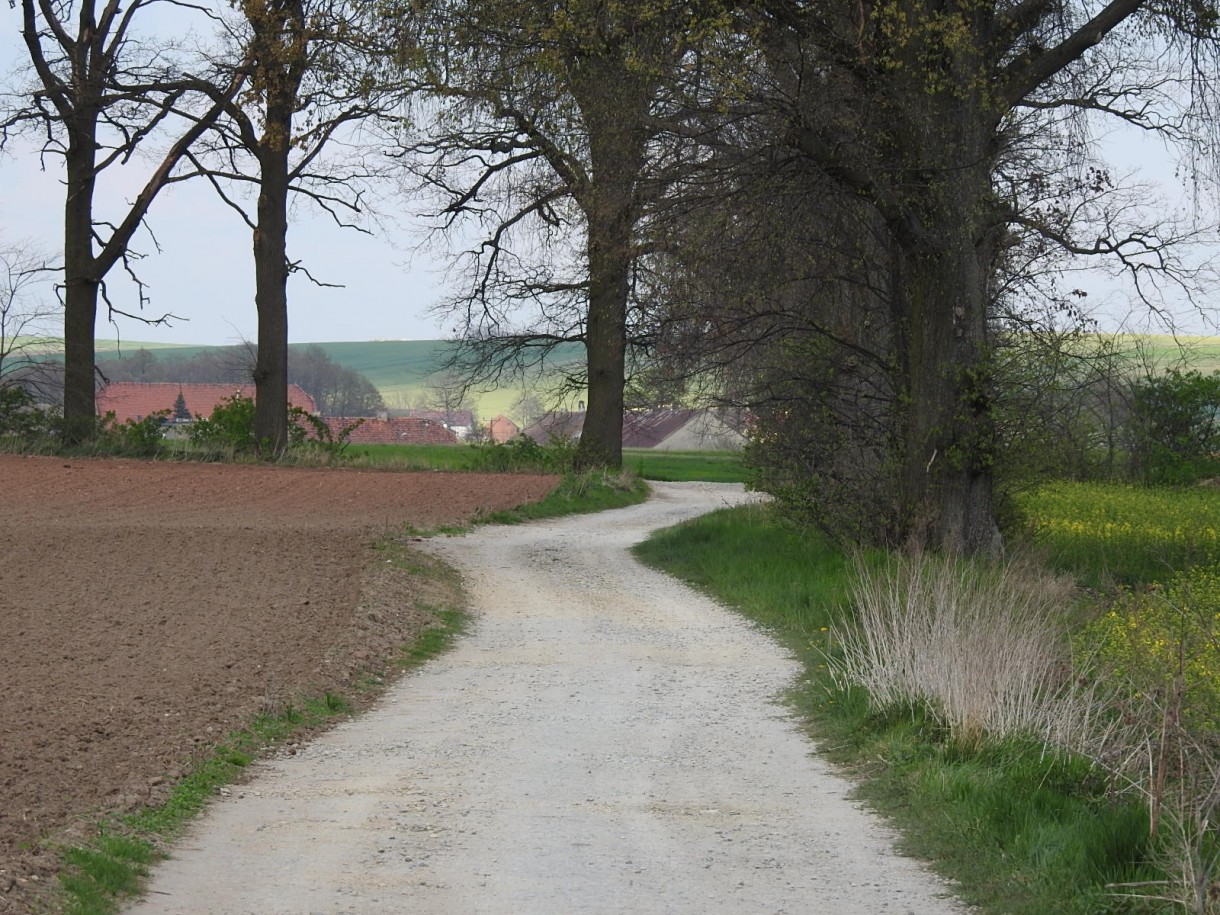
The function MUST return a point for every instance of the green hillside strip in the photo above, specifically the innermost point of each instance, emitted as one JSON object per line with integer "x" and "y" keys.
{"x": 388, "y": 363}
{"x": 405, "y": 372}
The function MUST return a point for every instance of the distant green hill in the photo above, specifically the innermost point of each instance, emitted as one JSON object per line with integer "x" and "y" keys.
{"x": 407, "y": 371}
{"x": 404, "y": 371}
{"x": 1165, "y": 352}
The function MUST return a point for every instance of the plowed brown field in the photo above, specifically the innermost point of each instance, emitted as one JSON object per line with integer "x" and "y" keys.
{"x": 146, "y": 608}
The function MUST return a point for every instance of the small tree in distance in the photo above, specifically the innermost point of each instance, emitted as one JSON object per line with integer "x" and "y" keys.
{"x": 27, "y": 318}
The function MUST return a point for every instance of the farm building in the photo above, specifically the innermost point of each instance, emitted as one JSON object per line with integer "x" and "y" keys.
{"x": 558, "y": 424}
{"x": 135, "y": 400}
{"x": 502, "y": 429}
{"x": 460, "y": 422}
{"x": 663, "y": 429}
{"x": 704, "y": 430}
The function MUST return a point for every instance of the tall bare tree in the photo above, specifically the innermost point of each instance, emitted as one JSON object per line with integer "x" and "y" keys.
{"x": 314, "y": 81}
{"x": 548, "y": 138}
{"x": 101, "y": 91}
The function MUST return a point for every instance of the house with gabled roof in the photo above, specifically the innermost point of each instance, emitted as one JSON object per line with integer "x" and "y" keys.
{"x": 134, "y": 400}
{"x": 556, "y": 424}
{"x": 502, "y": 429}
{"x": 669, "y": 429}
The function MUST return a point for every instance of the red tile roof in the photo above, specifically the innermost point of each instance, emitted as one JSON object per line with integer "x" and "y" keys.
{"x": 397, "y": 430}
{"x": 138, "y": 399}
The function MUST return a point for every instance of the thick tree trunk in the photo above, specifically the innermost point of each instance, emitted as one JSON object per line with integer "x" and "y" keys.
{"x": 945, "y": 475}
{"x": 946, "y": 258}
{"x": 271, "y": 301}
{"x": 271, "y": 280}
{"x": 614, "y": 118}
{"x": 601, "y": 441}
{"x": 80, "y": 294}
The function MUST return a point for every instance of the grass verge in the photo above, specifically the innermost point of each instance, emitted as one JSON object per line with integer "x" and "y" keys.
{"x": 686, "y": 466}
{"x": 99, "y": 874}
{"x": 577, "y": 493}
{"x": 1019, "y": 830}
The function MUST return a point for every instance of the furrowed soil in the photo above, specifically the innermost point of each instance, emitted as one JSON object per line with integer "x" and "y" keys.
{"x": 148, "y": 608}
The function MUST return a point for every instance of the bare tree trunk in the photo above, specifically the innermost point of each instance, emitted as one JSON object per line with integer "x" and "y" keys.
{"x": 80, "y": 288}
{"x": 614, "y": 119}
{"x": 945, "y": 478}
{"x": 943, "y": 284}
{"x": 278, "y": 28}
{"x": 271, "y": 299}
{"x": 601, "y": 441}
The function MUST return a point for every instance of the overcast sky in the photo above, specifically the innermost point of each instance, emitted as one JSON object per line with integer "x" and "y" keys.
{"x": 204, "y": 271}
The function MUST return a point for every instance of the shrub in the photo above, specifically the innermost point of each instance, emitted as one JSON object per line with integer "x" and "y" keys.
{"x": 1151, "y": 637}
{"x": 301, "y": 423}
{"x": 20, "y": 415}
{"x": 1176, "y": 427}
{"x": 144, "y": 437}
{"x": 231, "y": 426}
{"x": 525, "y": 454}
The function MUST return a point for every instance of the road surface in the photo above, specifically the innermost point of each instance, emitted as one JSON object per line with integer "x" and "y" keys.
{"x": 604, "y": 740}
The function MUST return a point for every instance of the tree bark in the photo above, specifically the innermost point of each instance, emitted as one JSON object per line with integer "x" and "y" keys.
{"x": 271, "y": 290}
{"x": 942, "y": 300}
{"x": 945, "y": 473}
{"x": 280, "y": 54}
{"x": 601, "y": 440}
{"x": 614, "y": 105}
{"x": 80, "y": 283}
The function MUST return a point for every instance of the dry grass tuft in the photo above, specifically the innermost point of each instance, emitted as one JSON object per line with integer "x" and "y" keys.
{"x": 983, "y": 646}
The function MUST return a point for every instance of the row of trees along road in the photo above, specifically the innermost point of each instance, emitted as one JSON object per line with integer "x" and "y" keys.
{"x": 843, "y": 210}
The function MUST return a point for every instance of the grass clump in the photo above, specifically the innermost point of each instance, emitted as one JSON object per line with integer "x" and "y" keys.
{"x": 982, "y": 646}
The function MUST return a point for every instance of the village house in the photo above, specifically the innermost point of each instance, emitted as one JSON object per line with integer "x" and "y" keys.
{"x": 134, "y": 400}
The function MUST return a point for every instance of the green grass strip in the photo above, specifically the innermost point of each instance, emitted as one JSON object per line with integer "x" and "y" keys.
{"x": 1018, "y": 830}
{"x": 99, "y": 876}
{"x": 577, "y": 493}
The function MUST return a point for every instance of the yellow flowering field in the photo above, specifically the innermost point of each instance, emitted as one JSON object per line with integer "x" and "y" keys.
{"x": 1164, "y": 543}
{"x": 1163, "y": 632}
{"x": 1127, "y": 534}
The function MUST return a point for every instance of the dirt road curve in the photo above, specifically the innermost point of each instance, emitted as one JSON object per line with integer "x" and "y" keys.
{"x": 603, "y": 741}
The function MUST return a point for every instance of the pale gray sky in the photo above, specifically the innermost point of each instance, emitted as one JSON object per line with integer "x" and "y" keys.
{"x": 204, "y": 272}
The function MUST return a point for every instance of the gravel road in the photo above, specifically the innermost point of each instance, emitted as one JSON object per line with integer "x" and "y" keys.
{"x": 604, "y": 740}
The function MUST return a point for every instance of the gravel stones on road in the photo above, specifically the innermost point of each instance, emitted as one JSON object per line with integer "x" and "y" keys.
{"x": 604, "y": 740}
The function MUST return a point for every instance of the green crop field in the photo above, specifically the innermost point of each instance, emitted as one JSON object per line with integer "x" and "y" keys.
{"x": 1164, "y": 352}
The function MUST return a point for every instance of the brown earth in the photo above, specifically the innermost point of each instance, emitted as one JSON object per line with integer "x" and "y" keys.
{"x": 147, "y": 608}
